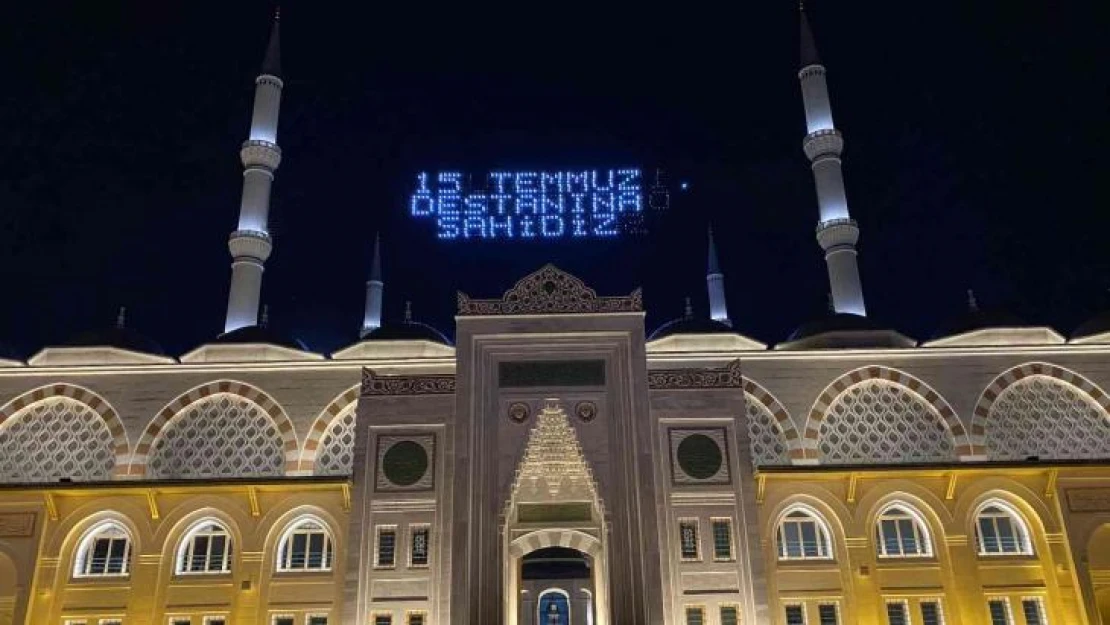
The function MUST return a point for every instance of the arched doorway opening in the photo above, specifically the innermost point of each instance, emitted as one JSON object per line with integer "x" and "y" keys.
{"x": 556, "y": 588}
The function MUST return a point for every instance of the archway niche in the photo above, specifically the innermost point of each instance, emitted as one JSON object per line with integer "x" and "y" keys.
{"x": 1098, "y": 567}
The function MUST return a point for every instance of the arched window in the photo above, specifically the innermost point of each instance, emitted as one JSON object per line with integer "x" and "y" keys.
{"x": 999, "y": 530}
{"x": 901, "y": 533}
{"x": 205, "y": 549}
{"x": 104, "y": 551}
{"x": 305, "y": 546}
{"x": 553, "y": 607}
{"x": 803, "y": 535}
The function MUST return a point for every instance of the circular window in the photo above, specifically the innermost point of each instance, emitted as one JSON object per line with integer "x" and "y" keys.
{"x": 699, "y": 456}
{"x": 405, "y": 463}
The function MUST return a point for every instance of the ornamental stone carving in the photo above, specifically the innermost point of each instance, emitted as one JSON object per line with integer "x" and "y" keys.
{"x": 374, "y": 384}
{"x": 335, "y": 455}
{"x": 766, "y": 438}
{"x": 549, "y": 290}
{"x": 727, "y": 376}
{"x": 519, "y": 412}
{"x": 17, "y": 524}
{"x": 1048, "y": 418}
{"x": 585, "y": 411}
{"x": 53, "y": 439}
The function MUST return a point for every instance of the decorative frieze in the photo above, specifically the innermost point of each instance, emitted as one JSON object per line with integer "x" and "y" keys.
{"x": 17, "y": 524}
{"x": 727, "y": 376}
{"x": 374, "y": 384}
{"x": 1089, "y": 499}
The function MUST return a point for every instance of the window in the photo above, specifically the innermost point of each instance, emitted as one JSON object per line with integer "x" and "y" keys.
{"x": 205, "y": 549}
{"x": 180, "y": 620}
{"x": 722, "y": 539}
{"x": 306, "y": 546}
{"x": 76, "y": 622}
{"x": 284, "y": 619}
{"x": 1033, "y": 609}
{"x": 111, "y": 621}
{"x": 827, "y": 614}
{"x": 930, "y": 613}
{"x": 419, "y": 544}
{"x": 1000, "y": 530}
{"x": 416, "y": 618}
{"x": 730, "y": 615}
{"x": 795, "y": 614}
{"x": 105, "y": 550}
{"x": 316, "y": 619}
{"x": 802, "y": 536}
{"x": 215, "y": 620}
{"x": 387, "y": 546}
{"x": 688, "y": 539}
{"x": 695, "y": 616}
{"x": 383, "y": 619}
{"x": 901, "y": 533}
{"x": 1000, "y": 612}
{"x": 897, "y": 613}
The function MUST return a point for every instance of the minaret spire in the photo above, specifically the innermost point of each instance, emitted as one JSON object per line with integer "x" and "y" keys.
{"x": 250, "y": 243}
{"x": 837, "y": 232}
{"x": 715, "y": 281}
{"x": 372, "y": 319}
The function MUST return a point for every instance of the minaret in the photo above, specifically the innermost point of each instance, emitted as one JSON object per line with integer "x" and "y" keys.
{"x": 372, "y": 319}
{"x": 837, "y": 233}
{"x": 250, "y": 243}
{"x": 715, "y": 281}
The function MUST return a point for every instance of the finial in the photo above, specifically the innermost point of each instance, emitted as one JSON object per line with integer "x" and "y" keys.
{"x": 972, "y": 303}
{"x": 277, "y": 13}
{"x": 689, "y": 309}
{"x": 408, "y": 311}
{"x": 801, "y": 6}
{"x": 121, "y": 317}
{"x": 265, "y": 316}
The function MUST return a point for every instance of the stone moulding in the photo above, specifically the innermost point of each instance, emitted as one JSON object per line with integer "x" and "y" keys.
{"x": 374, "y": 384}
{"x": 727, "y": 376}
{"x": 549, "y": 291}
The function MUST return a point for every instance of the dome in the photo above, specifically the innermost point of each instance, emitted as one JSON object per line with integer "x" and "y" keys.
{"x": 844, "y": 331}
{"x": 260, "y": 334}
{"x": 1093, "y": 327}
{"x": 407, "y": 330}
{"x": 119, "y": 337}
{"x": 976, "y": 319}
{"x": 690, "y": 325}
{"x": 834, "y": 322}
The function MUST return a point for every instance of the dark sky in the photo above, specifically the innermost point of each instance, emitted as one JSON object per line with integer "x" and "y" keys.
{"x": 976, "y": 156}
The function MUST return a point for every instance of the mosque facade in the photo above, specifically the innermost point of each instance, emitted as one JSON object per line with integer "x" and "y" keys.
{"x": 556, "y": 464}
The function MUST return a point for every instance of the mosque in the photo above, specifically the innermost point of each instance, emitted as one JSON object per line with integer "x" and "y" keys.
{"x": 558, "y": 464}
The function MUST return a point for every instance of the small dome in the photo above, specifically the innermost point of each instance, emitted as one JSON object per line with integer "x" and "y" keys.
{"x": 260, "y": 334}
{"x": 407, "y": 331}
{"x": 119, "y": 337}
{"x": 834, "y": 322}
{"x": 976, "y": 319}
{"x": 845, "y": 331}
{"x": 690, "y": 325}
{"x": 1099, "y": 324}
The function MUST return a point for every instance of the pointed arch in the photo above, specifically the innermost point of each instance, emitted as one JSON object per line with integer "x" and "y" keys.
{"x": 96, "y": 403}
{"x": 961, "y": 443}
{"x": 1024, "y": 374}
{"x": 765, "y": 401}
{"x": 345, "y": 403}
{"x": 268, "y": 404}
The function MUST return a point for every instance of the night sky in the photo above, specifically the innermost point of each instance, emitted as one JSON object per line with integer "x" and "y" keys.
{"x": 976, "y": 156}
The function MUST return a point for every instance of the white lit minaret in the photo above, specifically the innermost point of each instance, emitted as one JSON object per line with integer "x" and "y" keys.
{"x": 715, "y": 282}
{"x": 837, "y": 233}
{"x": 372, "y": 319}
{"x": 250, "y": 243}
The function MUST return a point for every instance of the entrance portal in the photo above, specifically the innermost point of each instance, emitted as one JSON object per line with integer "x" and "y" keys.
{"x": 555, "y": 566}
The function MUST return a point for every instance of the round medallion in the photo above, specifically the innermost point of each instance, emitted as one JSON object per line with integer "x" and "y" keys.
{"x": 405, "y": 462}
{"x": 586, "y": 410}
{"x": 699, "y": 456}
{"x": 519, "y": 411}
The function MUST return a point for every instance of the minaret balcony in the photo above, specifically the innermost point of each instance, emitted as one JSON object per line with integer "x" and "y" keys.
{"x": 833, "y": 233}
{"x": 246, "y": 244}
{"x": 259, "y": 153}
{"x": 827, "y": 142}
